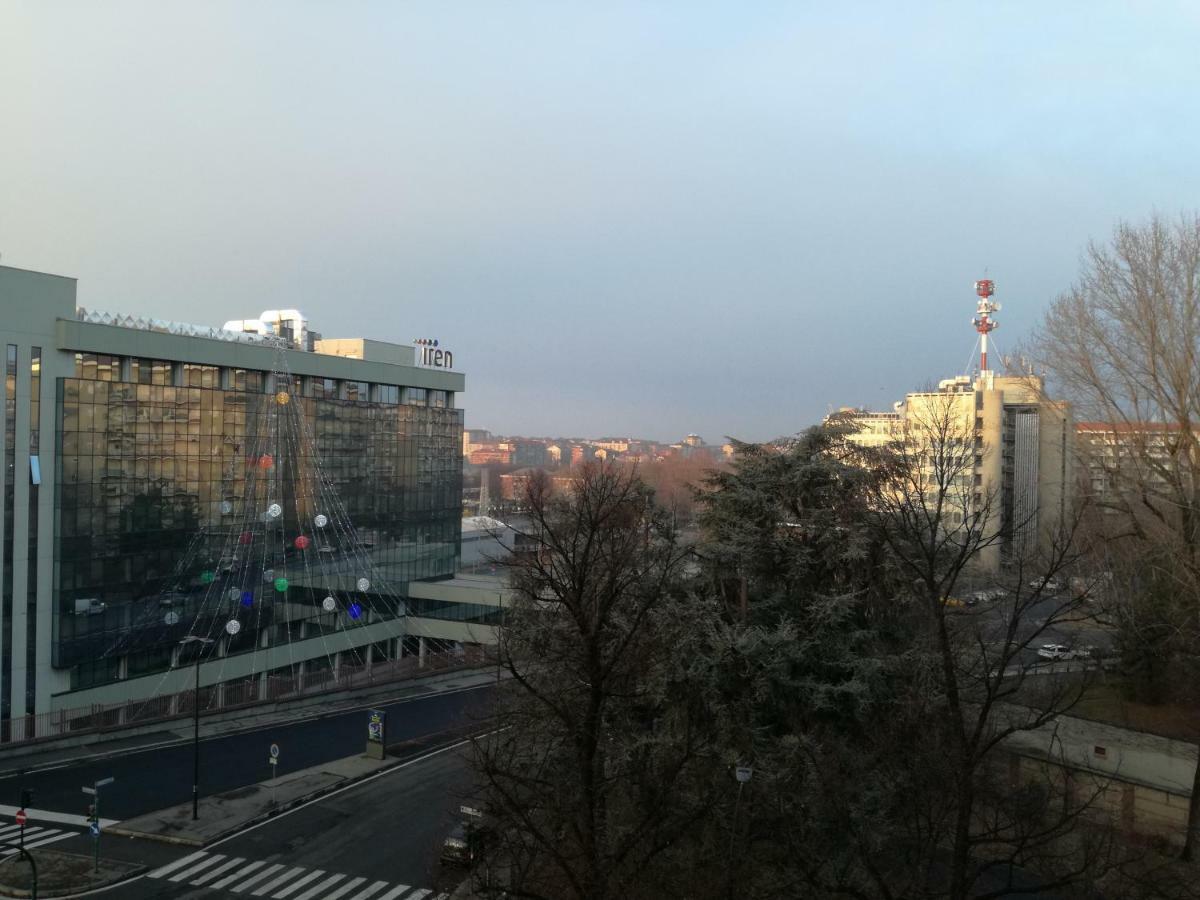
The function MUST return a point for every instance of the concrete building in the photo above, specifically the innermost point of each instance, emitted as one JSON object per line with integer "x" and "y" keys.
{"x": 1023, "y": 443}
{"x": 124, "y": 441}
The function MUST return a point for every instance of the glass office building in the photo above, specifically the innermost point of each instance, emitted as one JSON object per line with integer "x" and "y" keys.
{"x": 130, "y": 461}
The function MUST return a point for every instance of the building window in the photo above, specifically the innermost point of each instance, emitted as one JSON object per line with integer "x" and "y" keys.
{"x": 414, "y": 396}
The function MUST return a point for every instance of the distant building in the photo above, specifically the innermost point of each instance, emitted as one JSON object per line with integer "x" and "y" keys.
{"x": 1023, "y": 451}
{"x": 529, "y": 453}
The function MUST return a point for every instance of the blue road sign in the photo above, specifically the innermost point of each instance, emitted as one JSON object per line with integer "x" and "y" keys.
{"x": 94, "y": 828}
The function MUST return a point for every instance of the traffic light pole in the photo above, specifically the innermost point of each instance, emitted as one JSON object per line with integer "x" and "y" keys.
{"x": 94, "y": 816}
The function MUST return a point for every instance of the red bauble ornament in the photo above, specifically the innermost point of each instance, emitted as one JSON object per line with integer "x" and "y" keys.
{"x": 302, "y": 542}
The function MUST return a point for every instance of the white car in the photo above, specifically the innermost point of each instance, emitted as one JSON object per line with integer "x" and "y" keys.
{"x": 1056, "y": 651}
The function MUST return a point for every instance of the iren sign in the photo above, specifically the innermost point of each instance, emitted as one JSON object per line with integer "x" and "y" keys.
{"x": 432, "y": 356}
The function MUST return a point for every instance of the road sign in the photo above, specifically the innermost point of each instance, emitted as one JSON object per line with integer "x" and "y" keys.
{"x": 20, "y": 817}
{"x": 94, "y": 828}
{"x": 272, "y": 760}
{"x": 103, "y": 781}
{"x": 89, "y": 790}
{"x": 743, "y": 774}
{"x": 274, "y": 751}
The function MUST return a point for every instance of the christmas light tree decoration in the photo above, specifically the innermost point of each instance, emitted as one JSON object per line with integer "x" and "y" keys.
{"x": 301, "y": 542}
{"x": 247, "y": 599}
{"x": 274, "y": 511}
{"x": 233, "y": 626}
{"x": 320, "y": 521}
{"x": 171, "y": 618}
{"x": 281, "y": 584}
{"x": 226, "y": 507}
{"x": 206, "y": 577}
{"x": 282, "y": 398}
{"x": 364, "y": 584}
{"x": 234, "y": 595}
{"x": 266, "y": 461}
{"x": 268, "y": 574}
{"x": 245, "y": 538}
{"x": 355, "y": 610}
{"x": 329, "y": 604}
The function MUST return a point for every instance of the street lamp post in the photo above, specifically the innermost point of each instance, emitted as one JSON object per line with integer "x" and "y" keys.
{"x": 743, "y": 775}
{"x": 194, "y": 639}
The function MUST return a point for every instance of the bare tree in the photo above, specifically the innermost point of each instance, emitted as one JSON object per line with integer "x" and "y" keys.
{"x": 602, "y": 764}
{"x": 945, "y": 529}
{"x": 1124, "y": 345}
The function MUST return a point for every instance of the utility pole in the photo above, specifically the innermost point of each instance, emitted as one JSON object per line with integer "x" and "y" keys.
{"x": 94, "y": 816}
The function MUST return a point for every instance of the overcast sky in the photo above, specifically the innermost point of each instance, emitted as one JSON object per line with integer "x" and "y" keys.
{"x": 647, "y": 218}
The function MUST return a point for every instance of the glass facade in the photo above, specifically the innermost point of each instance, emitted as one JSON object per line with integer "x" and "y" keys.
{"x": 161, "y": 475}
{"x": 35, "y": 481}
{"x": 10, "y": 465}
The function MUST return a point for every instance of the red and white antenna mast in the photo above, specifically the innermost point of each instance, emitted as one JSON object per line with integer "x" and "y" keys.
{"x": 983, "y": 322}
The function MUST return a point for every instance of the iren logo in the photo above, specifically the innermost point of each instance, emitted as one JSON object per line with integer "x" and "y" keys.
{"x": 432, "y": 356}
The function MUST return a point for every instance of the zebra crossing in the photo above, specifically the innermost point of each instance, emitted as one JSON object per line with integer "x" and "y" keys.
{"x": 279, "y": 881}
{"x": 35, "y": 836}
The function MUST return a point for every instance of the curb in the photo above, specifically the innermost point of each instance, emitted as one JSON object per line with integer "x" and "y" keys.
{"x": 283, "y": 807}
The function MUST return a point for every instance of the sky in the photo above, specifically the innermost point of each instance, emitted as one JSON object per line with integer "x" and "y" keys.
{"x": 641, "y": 219}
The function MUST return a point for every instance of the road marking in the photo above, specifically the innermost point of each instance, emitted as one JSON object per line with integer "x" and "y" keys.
{"x": 394, "y": 892}
{"x": 419, "y": 895}
{"x": 240, "y": 873}
{"x": 250, "y": 882}
{"x": 38, "y": 815}
{"x": 296, "y": 885}
{"x": 42, "y": 839}
{"x": 271, "y": 885}
{"x": 224, "y": 867}
{"x": 202, "y": 864}
{"x": 366, "y": 894}
{"x": 179, "y": 863}
{"x": 345, "y": 888}
{"x": 318, "y": 888}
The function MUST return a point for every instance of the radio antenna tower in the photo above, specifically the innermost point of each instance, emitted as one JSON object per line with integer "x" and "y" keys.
{"x": 983, "y": 322}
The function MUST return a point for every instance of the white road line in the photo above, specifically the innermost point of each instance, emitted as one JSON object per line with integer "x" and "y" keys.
{"x": 179, "y": 863}
{"x": 42, "y": 815}
{"x": 48, "y": 840}
{"x": 394, "y": 892}
{"x": 213, "y": 873}
{"x": 276, "y": 882}
{"x": 296, "y": 885}
{"x": 250, "y": 882}
{"x": 240, "y": 873}
{"x": 318, "y": 888}
{"x": 15, "y": 832}
{"x": 202, "y": 864}
{"x": 366, "y": 893}
{"x": 419, "y": 895}
{"x": 345, "y": 888}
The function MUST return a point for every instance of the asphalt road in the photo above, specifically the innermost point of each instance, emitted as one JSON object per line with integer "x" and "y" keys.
{"x": 379, "y": 838}
{"x": 154, "y": 778}
{"x": 1079, "y": 632}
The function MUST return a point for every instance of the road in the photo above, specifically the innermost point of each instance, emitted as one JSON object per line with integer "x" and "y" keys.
{"x": 377, "y": 839}
{"x": 1079, "y": 632}
{"x": 158, "y": 777}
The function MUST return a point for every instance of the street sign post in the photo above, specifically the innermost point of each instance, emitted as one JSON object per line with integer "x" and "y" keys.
{"x": 94, "y": 815}
{"x": 20, "y": 817}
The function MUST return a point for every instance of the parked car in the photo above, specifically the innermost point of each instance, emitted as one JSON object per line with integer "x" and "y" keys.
{"x": 1056, "y": 652}
{"x": 1049, "y": 586}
